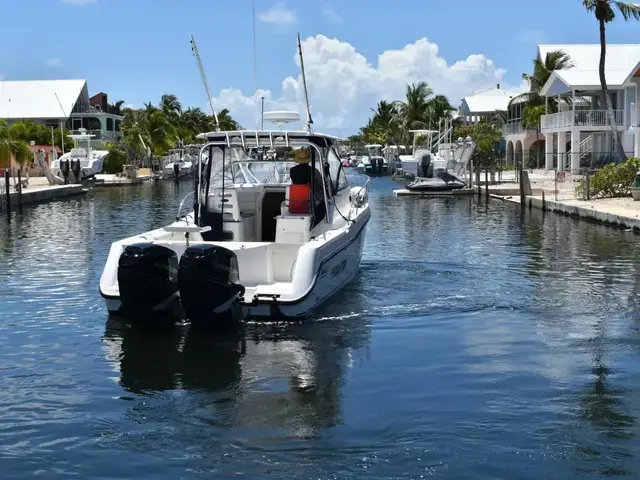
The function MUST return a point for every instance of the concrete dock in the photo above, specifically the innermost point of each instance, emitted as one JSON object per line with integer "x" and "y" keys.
{"x": 39, "y": 191}
{"x": 559, "y": 197}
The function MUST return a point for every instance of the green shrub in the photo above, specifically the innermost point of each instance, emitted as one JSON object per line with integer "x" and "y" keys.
{"x": 116, "y": 159}
{"x": 612, "y": 181}
{"x": 508, "y": 168}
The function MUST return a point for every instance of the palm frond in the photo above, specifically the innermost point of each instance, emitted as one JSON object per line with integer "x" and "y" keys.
{"x": 628, "y": 10}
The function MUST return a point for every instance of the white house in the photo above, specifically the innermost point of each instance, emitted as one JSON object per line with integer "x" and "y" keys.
{"x": 59, "y": 102}
{"x": 580, "y": 132}
{"x": 483, "y": 106}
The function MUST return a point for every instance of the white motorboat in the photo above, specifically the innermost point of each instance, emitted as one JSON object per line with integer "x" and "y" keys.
{"x": 81, "y": 162}
{"x": 254, "y": 241}
{"x": 179, "y": 166}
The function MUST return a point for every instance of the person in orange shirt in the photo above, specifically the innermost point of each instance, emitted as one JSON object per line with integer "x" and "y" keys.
{"x": 301, "y": 175}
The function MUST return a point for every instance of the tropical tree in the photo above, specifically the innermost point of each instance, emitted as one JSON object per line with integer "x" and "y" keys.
{"x": 542, "y": 70}
{"x": 605, "y": 12}
{"x": 531, "y": 116}
{"x": 10, "y": 147}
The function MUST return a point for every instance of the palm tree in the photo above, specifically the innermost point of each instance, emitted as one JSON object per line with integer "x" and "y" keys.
{"x": 11, "y": 147}
{"x": 386, "y": 121}
{"x": 604, "y": 12}
{"x": 415, "y": 110}
{"x": 542, "y": 70}
{"x": 170, "y": 105}
{"x": 226, "y": 121}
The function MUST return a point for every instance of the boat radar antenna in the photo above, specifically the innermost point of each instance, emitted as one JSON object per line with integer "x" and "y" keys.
{"x": 194, "y": 48}
{"x": 304, "y": 84}
{"x": 281, "y": 117}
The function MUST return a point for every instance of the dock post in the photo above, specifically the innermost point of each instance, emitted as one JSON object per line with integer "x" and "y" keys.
{"x": 544, "y": 203}
{"x": 522, "y": 196}
{"x": 486, "y": 182}
{"x": 7, "y": 191}
{"x": 20, "y": 189}
{"x": 478, "y": 181}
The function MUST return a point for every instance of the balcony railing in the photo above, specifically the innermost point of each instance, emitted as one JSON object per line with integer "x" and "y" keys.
{"x": 100, "y": 135}
{"x": 515, "y": 128}
{"x": 579, "y": 118}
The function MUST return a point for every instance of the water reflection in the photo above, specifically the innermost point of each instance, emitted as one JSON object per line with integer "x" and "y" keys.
{"x": 279, "y": 379}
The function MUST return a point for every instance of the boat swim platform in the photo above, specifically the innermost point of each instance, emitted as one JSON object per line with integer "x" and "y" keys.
{"x": 403, "y": 192}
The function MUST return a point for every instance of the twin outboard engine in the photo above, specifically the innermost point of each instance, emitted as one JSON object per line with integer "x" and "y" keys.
{"x": 205, "y": 279}
{"x": 75, "y": 168}
{"x": 176, "y": 170}
{"x": 64, "y": 168}
{"x": 208, "y": 280}
{"x": 147, "y": 278}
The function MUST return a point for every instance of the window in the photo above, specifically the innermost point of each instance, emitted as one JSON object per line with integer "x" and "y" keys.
{"x": 334, "y": 167}
{"x": 118, "y": 125}
{"x": 110, "y": 124}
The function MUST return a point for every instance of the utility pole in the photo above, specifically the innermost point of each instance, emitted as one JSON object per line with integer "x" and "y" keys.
{"x": 262, "y": 113}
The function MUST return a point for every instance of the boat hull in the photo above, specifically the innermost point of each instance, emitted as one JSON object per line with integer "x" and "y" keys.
{"x": 337, "y": 263}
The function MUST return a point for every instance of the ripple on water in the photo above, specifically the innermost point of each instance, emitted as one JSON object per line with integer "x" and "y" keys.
{"x": 476, "y": 342}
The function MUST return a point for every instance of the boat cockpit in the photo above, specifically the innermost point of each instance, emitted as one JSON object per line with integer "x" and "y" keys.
{"x": 245, "y": 192}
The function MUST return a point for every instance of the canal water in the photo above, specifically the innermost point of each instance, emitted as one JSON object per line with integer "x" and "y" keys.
{"x": 477, "y": 342}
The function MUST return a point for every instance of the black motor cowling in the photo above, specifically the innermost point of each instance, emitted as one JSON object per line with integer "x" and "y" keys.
{"x": 147, "y": 277}
{"x": 75, "y": 168}
{"x": 208, "y": 279}
{"x": 64, "y": 168}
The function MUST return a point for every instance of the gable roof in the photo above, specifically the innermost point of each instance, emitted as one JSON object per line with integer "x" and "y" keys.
{"x": 34, "y": 99}
{"x": 563, "y": 81}
{"x": 488, "y": 101}
{"x": 587, "y": 56}
{"x": 621, "y": 62}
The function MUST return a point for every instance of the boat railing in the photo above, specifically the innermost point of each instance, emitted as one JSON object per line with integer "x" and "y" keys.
{"x": 364, "y": 188}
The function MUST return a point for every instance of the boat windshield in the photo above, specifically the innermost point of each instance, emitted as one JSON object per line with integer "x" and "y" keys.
{"x": 250, "y": 166}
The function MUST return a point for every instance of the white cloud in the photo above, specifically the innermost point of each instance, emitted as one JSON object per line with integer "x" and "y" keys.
{"x": 344, "y": 85}
{"x": 279, "y": 14}
{"x": 53, "y": 62}
{"x": 78, "y": 3}
{"x": 330, "y": 14}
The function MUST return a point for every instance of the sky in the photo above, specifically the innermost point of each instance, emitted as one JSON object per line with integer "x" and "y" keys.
{"x": 356, "y": 52}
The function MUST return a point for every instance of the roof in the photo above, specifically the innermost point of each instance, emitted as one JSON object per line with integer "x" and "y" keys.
{"x": 489, "y": 100}
{"x": 267, "y": 138}
{"x": 621, "y": 62}
{"x": 587, "y": 56}
{"x": 35, "y": 99}
{"x": 563, "y": 81}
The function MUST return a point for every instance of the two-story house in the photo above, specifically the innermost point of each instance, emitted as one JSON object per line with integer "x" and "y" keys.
{"x": 579, "y": 133}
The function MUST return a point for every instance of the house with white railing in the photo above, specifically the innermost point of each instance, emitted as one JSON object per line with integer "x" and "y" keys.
{"x": 485, "y": 105}
{"x": 579, "y": 133}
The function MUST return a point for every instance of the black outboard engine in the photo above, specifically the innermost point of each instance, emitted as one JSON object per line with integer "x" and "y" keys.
{"x": 208, "y": 279}
{"x": 147, "y": 278}
{"x": 425, "y": 164}
{"x": 75, "y": 168}
{"x": 64, "y": 168}
{"x": 176, "y": 170}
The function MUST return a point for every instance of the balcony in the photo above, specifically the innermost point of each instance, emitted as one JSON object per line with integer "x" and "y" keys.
{"x": 586, "y": 120}
{"x": 515, "y": 128}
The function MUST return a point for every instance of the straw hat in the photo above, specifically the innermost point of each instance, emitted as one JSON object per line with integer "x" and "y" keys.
{"x": 302, "y": 156}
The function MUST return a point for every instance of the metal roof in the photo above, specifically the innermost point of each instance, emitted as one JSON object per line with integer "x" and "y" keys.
{"x": 36, "y": 99}
{"x": 489, "y": 100}
{"x": 564, "y": 81}
{"x": 587, "y": 56}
